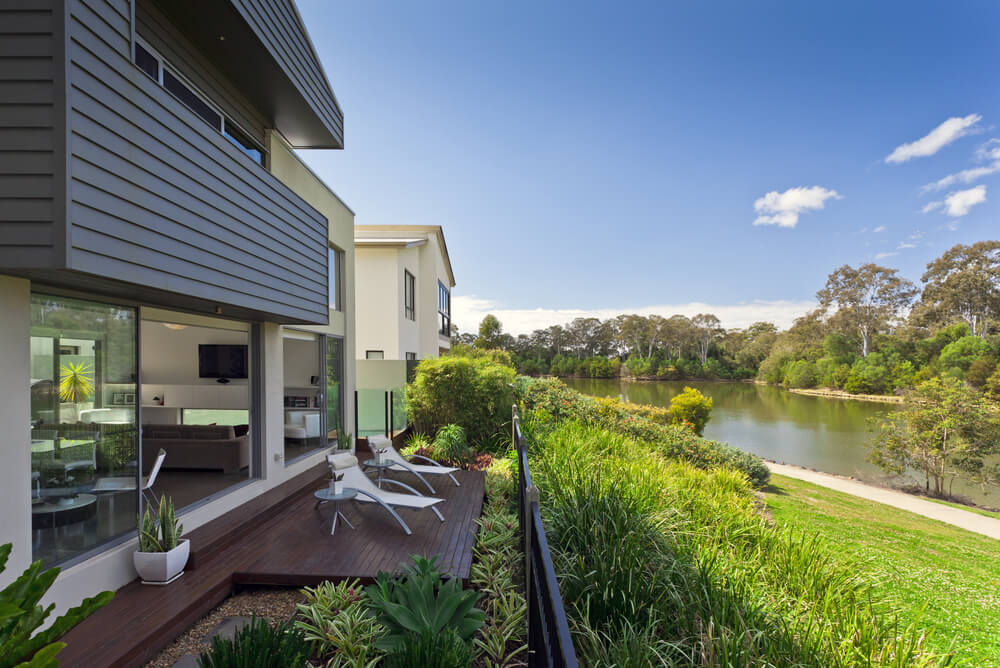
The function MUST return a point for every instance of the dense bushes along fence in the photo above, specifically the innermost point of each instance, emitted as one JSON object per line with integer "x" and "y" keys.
{"x": 660, "y": 563}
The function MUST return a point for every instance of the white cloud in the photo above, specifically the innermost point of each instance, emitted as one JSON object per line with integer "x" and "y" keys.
{"x": 468, "y": 311}
{"x": 880, "y": 228}
{"x": 917, "y": 235}
{"x": 944, "y": 134}
{"x": 988, "y": 152}
{"x": 882, "y": 256}
{"x": 903, "y": 245}
{"x": 957, "y": 204}
{"x": 783, "y": 209}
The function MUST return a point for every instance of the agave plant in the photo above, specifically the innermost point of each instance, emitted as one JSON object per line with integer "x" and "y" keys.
{"x": 76, "y": 381}
{"x": 20, "y": 616}
{"x": 422, "y": 602}
{"x": 160, "y": 534}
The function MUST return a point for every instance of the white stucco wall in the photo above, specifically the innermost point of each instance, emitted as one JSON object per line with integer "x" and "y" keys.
{"x": 378, "y": 285}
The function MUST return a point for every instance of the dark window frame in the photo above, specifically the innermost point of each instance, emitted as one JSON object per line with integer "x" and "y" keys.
{"x": 201, "y": 104}
{"x": 368, "y": 354}
{"x": 335, "y": 273}
{"x": 444, "y": 310}
{"x": 409, "y": 296}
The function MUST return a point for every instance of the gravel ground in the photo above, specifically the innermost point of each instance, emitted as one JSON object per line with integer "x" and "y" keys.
{"x": 274, "y": 604}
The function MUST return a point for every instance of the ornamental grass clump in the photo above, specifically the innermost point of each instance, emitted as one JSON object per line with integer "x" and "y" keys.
{"x": 662, "y": 563}
{"x": 336, "y": 622}
{"x": 258, "y": 645}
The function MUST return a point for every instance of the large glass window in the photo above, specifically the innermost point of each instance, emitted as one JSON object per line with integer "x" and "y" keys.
{"x": 84, "y": 439}
{"x": 409, "y": 296}
{"x": 335, "y": 425}
{"x": 444, "y": 310}
{"x": 304, "y": 397}
{"x": 336, "y": 270}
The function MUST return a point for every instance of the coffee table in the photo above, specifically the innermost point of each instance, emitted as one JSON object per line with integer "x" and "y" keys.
{"x": 381, "y": 468}
{"x": 326, "y": 495}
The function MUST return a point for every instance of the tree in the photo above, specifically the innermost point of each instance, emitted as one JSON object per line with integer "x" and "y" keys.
{"x": 866, "y": 299}
{"x": 944, "y": 429}
{"x": 490, "y": 333}
{"x": 707, "y": 328}
{"x": 965, "y": 282}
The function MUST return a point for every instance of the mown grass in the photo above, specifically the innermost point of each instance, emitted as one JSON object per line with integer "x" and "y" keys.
{"x": 961, "y": 506}
{"x": 944, "y": 578}
{"x": 661, "y": 563}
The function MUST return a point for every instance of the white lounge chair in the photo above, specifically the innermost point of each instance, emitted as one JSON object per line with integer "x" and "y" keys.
{"x": 368, "y": 492}
{"x": 419, "y": 470}
{"x": 128, "y": 483}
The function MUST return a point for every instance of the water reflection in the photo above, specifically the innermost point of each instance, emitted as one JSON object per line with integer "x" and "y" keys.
{"x": 829, "y": 435}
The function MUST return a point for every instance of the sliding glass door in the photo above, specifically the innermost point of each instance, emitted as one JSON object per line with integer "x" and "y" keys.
{"x": 84, "y": 435}
{"x": 335, "y": 423}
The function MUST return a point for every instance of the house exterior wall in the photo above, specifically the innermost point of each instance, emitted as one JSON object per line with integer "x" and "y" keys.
{"x": 432, "y": 266}
{"x": 409, "y": 259}
{"x": 148, "y": 196}
{"x": 378, "y": 288}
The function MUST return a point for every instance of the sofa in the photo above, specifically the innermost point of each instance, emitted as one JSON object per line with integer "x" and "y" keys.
{"x": 302, "y": 425}
{"x": 192, "y": 446}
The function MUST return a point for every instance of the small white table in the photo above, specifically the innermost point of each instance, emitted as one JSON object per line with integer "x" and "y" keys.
{"x": 327, "y": 495}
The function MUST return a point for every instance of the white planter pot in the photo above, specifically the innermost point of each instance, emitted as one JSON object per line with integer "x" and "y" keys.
{"x": 160, "y": 568}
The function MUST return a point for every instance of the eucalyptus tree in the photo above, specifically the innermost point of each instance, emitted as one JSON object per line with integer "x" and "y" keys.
{"x": 965, "y": 283}
{"x": 867, "y": 299}
{"x": 707, "y": 328}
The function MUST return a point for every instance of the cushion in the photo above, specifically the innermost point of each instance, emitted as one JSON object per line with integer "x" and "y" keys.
{"x": 344, "y": 461}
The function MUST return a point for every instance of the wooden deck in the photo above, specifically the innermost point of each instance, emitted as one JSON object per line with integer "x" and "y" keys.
{"x": 277, "y": 539}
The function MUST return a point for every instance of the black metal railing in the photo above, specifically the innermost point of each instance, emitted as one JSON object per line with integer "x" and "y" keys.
{"x": 549, "y": 641}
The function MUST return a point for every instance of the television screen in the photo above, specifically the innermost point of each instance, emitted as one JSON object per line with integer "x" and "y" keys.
{"x": 222, "y": 361}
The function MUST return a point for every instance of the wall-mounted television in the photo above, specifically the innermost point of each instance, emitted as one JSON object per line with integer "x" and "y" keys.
{"x": 222, "y": 361}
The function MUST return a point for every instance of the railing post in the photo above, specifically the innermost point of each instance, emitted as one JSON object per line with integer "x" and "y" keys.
{"x": 392, "y": 421}
{"x": 385, "y": 413}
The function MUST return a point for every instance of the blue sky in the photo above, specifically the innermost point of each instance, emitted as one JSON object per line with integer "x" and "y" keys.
{"x": 600, "y": 158}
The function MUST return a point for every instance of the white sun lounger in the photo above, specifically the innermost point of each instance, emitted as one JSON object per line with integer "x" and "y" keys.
{"x": 419, "y": 470}
{"x": 368, "y": 492}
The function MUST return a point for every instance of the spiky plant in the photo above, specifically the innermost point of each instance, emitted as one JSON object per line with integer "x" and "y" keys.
{"x": 76, "y": 381}
{"x": 160, "y": 534}
{"x": 20, "y": 616}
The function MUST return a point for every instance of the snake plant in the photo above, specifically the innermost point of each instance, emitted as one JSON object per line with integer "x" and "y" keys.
{"x": 160, "y": 534}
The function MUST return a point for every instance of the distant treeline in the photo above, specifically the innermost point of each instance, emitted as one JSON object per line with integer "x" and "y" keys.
{"x": 874, "y": 332}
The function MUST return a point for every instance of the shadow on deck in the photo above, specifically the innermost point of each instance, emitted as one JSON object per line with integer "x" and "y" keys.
{"x": 278, "y": 539}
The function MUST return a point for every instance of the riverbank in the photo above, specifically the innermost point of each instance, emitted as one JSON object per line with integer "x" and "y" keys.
{"x": 840, "y": 394}
{"x": 935, "y": 576}
{"x": 950, "y": 514}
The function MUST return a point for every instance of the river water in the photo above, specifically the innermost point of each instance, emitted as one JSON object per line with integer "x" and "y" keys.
{"x": 829, "y": 435}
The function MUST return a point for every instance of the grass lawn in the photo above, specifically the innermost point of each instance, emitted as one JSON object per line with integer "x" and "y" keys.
{"x": 971, "y": 509}
{"x": 948, "y": 574}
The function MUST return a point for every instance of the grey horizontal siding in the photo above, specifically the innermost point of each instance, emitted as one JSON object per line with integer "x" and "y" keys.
{"x": 159, "y": 199}
{"x": 279, "y": 27}
{"x": 31, "y": 132}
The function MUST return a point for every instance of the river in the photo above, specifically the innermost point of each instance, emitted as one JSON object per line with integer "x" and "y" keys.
{"x": 829, "y": 435}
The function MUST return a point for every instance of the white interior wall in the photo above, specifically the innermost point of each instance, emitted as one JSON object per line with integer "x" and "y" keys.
{"x": 170, "y": 356}
{"x": 301, "y": 362}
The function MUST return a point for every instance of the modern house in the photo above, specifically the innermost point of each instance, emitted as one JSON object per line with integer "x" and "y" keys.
{"x": 172, "y": 276}
{"x": 403, "y": 292}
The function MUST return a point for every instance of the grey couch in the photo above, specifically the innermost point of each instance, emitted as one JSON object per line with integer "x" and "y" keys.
{"x": 189, "y": 446}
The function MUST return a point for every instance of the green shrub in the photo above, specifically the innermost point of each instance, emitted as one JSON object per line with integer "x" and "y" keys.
{"x": 451, "y": 445}
{"x": 21, "y": 615}
{"x": 258, "y": 645}
{"x": 556, "y": 400}
{"x": 430, "y": 649}
{"x": 640, "y": 366}
{"x": 980, "y": 371}
{"x": 335, "y": 620}
{"x": 474, "y": 393}
{"x": 421, "y": 602}
{"x": 963, "y": 352}
{"x": 801, "y": 374}
{"x": 691, "y": 407}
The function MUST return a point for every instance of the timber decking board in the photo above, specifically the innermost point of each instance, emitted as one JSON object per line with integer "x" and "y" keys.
{"x": 278, "y": 539}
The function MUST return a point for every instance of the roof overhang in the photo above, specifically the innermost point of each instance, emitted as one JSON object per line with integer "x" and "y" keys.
{"x": 270, "y": 60}
{"x": 396, "y": 235}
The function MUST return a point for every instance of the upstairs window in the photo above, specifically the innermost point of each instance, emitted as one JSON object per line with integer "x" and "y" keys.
{"x": 335, "y": 264}
{"x": 374, "y": 354}
{"x": 444, "y": 310}
{"x": 150, "y": 62}
{"x": 409, "y": 296}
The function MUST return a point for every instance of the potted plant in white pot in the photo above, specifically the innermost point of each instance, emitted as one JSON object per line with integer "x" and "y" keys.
{"x": 162, "y": 554}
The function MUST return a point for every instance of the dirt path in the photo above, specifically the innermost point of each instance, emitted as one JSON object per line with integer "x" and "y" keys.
{"x": 969, "y": 521}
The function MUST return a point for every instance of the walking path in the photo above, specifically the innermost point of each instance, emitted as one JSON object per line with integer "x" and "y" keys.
{"x": 969, "y": 521}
